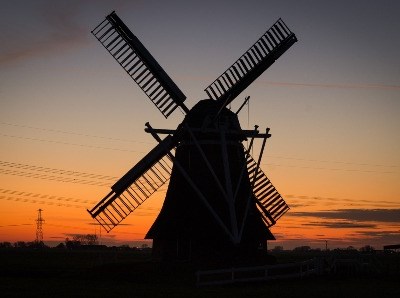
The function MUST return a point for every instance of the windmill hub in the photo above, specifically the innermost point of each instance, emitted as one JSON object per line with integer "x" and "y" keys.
{"x": 206, "y": 119}
{"x": 219, "y": 203}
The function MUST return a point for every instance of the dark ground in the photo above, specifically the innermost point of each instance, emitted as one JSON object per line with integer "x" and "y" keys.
{"x": 129, "y": 273}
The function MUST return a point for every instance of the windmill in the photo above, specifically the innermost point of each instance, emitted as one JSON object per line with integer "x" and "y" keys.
{"x": 219, "y": 202}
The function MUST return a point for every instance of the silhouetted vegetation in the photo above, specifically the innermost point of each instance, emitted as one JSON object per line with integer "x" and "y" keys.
{"x": 98, "y": 270}
{"x": 23, "y": 245}
{"x": 79, "y": 240}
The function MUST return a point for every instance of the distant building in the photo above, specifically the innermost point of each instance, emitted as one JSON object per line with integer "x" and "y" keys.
{"x": 395, "y": 247}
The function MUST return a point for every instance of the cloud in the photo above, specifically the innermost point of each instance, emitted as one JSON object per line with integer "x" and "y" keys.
{"x": 313, "y": 200}
{"x": 379, "y": 238}
{"x": 379, "y": 233}
{"x": 40, "y": 30}
{"x": 72, "y": 234}
{"x": 376, "y": 215}
{"x": 144, "y": 213}
{"x": 97, "y": 224}
{"x": 16, "y": 225}
{"x": 340, "y": 224}
{"x": 299, "y": 205}
{"x": 78, "y": 234}
{"x": 341, "y": 86}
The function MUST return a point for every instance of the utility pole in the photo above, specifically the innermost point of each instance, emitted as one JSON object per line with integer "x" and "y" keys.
{"x": 39, "y": 224}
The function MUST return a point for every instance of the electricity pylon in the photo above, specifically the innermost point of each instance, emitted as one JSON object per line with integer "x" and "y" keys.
{"x": 39, "y": 229}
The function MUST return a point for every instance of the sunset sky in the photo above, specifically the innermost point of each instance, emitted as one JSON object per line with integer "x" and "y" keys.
{"x": 71, "y": 119}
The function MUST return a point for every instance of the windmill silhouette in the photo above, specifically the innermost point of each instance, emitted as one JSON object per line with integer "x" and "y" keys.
{"x": 219, "y": 202}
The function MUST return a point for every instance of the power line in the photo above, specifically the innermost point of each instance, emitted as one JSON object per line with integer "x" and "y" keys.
{"x": 70, "y": 144}
{"x": 335, "y": 199}
{"x": 330, "y": 169}
{"x": 16, "y": 225}
{"x": 52, "y": 178}
{"x": 37, "y": 198}
{"x": 42, "y": 202}
{"x": 53, "y": 174}
{"x": 341, "y": 86}
{"x": 333, "y": 161}
{"x": 90, "y": 229}
{"x": 55, "y": 170}
{"x": 26, "y": 172}
{"x": 126, "y": 150}
{"x": 70, "y": 227}
{"x": 60, "y": 179}
{"x": 72, "y": 133}
{"x": 44, "y": 196}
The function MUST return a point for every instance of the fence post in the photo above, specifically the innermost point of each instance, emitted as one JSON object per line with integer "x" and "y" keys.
{"x": 308, "y": 268}
{"x": 198, "y": 278}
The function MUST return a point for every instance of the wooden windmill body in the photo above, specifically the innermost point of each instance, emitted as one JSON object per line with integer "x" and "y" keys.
{"x": 219, "y": 203}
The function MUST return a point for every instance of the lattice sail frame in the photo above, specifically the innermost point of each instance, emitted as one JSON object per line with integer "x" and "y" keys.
{"x": 140, "y": 65}
{"x": 267, "y": 49}
{"x": 137, "y": 185}
{"x": 268, "y": 200}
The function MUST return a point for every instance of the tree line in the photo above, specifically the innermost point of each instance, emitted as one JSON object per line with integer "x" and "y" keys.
{"x": 77, "y": 240}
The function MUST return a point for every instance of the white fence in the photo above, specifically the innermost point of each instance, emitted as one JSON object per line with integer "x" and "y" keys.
{"x": 259, "y": 273}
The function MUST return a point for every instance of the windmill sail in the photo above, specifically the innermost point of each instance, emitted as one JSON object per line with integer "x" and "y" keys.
{"x": 270, "y": 203}
{"x": 149, "y": 174}
{"x": 141, "y": 66}
{"x": 271, "y": 45}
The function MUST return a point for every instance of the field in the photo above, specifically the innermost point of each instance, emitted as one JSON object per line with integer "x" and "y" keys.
{"x": 131, "y": 273}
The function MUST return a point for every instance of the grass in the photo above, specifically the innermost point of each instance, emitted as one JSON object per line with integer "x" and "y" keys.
{"x": 113, "y": 273}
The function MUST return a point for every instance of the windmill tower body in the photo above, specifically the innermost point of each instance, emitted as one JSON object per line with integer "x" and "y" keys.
{"x": 219, "y": 203}
{"x": 211, "y": 153}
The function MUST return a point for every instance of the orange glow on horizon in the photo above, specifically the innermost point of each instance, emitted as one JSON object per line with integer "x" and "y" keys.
{"x": 66, "y": 215}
